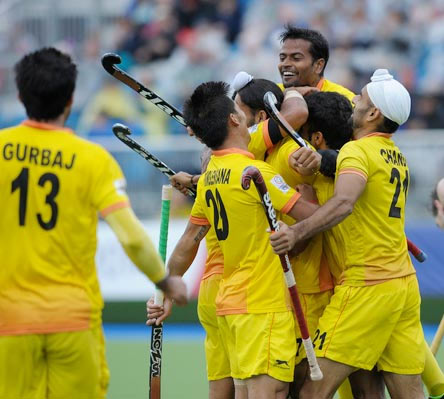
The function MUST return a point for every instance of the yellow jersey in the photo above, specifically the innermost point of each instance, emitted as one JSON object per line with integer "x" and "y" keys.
{"x": 53, "y": 184}
{"x": 375, "y": 246}
{"x": 333, "y": 241}
{"x": 260, "y": 141}
{"x": 215, "y": 259}
{"x": 253, "y": 280}
{"x": 328, "y": 85}
{"x": 310, "y": 267}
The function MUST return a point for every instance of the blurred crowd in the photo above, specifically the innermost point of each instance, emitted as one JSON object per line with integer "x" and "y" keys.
{"x": 173, "y": 45}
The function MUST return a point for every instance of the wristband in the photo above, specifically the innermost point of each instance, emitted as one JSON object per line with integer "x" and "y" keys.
{"x": 293, "y": 94}
{"x": 161, "y": 284}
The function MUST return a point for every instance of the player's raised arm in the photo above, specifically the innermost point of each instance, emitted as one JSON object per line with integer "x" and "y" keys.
{"x": 293, "y": 109}
{"x": 143, "y": 254}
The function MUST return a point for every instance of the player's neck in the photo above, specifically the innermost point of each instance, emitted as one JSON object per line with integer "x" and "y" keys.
{"x": 234, "y": 142}
{"x": 59, "y": 121}
{"x": 363, "y": 131}
{"x": 315, "y": 81}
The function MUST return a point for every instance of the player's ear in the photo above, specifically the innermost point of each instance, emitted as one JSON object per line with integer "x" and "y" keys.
{"x": 373, "y": 114}
{"x": 234, "y": 119}
{"x": 261, "y": 116}
{"x": 316, "y": 139}
{"x": 319, "y": 66}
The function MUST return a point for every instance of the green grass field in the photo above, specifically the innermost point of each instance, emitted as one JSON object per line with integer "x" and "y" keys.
{"x": 183, "y": 369}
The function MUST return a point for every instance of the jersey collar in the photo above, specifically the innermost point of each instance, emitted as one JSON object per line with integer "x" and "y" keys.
{"x": 386, "y": 135}
{"x": 44, "y": 126}
{"x": 228, "y": 151}
{"x": 320, "y": 84}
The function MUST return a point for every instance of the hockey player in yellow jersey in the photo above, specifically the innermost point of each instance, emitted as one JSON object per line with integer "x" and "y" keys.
{"x": 373, "y": 316}
{"x": 53, "y": 185}
{"x": 303, "y": 57}
{"x": 251, "y": 296}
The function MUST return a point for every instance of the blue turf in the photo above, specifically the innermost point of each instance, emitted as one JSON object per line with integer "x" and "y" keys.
{"x": 188, "y": 331}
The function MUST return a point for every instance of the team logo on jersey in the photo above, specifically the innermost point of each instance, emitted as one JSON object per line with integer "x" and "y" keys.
{"x": 280, "y": 184}
{"x": 120, "y": 186}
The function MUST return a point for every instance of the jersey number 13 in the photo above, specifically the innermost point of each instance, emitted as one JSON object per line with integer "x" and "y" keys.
{"x": 21, "y": 183}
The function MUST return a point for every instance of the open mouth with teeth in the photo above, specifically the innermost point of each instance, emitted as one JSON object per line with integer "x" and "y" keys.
{"x": 287, "y": 75}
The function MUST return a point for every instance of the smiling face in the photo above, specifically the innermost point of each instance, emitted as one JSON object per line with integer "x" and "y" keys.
{"x": 296, "y": 64}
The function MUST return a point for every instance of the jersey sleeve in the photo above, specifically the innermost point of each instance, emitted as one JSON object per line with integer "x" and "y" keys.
{"x": 197, "y": 212}
{"x": 260, "y": 140}
{"x": 352, "y": 159}
{"x": 108, "y": 184}
{"x": 283, "y": 158}
{"x": 282, "y": 195}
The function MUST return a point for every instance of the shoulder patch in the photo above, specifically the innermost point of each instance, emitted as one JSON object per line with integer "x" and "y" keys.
{"x": 120, "y": 186}
{"x": 280, "y": 183}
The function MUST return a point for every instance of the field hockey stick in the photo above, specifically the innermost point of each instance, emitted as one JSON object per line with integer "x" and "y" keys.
{"x": 252, "y": 173}
{"x": 418, "y": 253}
{"x": 109, "y": 62}
{"x": 123, "y": 132}
{"x": 437, "y": 338}
{"x": 157, "y": 331}
{"x": 270, "y": 102}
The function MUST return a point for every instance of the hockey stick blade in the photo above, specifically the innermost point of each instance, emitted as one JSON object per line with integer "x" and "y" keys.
{"x": 109, "y": 62}
{"x": 123, "y": 132}
{"x": 270, "y": 102}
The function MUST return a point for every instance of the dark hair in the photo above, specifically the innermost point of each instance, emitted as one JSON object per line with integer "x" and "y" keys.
{"x": 207, "y": 112}
{"x": 329, "y": 113}
{"x": 388, "y": 126}
{"x": 45, "y": 81}
{"x": 434, "y": 197}
{"x": 318, "y": 43}
{"x": 252, "y": 94}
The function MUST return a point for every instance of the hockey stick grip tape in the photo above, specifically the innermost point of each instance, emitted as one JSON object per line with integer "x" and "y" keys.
{"x": 163, "y": 237}
{"x": 419, "y": 255}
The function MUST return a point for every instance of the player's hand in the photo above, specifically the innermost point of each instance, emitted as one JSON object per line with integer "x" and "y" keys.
{"x": 175, "y": 289}
{"x": 156, "y": 314}
{"x": 305, "y": 90}
{"x": 307, "y": 192}
{"x": 305, "y": 161}
{"x": 439, "y": 218}
{"x": 283, "y": 240}
{"x": 181, "y": 181}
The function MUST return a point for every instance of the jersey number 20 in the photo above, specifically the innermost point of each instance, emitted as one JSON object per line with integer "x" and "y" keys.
{"x": 219, "y": 214}
{"x": 21, "y": 183}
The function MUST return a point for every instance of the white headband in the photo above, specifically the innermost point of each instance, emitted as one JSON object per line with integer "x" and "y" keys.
{"x": 389, "y": 96}
{"x": 241, "y": 79}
